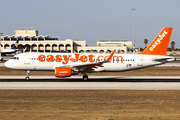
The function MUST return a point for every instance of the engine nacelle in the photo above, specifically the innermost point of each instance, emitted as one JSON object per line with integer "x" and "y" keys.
{"x": 62, "y": 72}
{"x": 65, "y": 72}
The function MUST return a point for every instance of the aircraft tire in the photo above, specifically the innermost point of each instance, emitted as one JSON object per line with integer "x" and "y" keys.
{"x": 85, "y": 77}
{"x": 27, "y": 78}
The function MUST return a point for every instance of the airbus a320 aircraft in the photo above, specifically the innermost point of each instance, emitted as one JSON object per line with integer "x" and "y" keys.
{"x": 67, "y": 64}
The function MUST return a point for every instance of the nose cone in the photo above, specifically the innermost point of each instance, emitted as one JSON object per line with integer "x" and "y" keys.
{"x": 7, "y": 64}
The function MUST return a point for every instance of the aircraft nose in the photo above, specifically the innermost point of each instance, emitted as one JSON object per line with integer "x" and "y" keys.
{"x": 7, "y": 64}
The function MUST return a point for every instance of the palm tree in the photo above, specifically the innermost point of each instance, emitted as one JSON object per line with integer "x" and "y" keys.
{"x": 145, "y": 42}
{"x": 172, "y": 45}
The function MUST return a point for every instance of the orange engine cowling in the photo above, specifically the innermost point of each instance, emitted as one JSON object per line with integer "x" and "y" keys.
{"x": 63, "y": 72}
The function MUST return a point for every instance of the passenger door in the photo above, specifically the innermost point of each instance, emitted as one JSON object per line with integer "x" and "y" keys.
{"x": 140, "y": 61}
{"x": 27, "y": 59}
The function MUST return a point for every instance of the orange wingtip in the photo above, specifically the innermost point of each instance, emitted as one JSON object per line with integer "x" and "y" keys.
{"x": 111, "y": 55}
{"x": 159, "y": 45}
{"x": 106, "y": 51}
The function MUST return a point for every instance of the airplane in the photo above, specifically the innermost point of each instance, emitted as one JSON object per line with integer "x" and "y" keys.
{"x": 10, "y": 51}
{"x": 68, "y": 64}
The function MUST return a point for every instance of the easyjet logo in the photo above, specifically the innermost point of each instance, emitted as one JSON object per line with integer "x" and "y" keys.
{"x": 158, "y": 41}
{"x": 65, "y": 59}
{"x": 63, "y": 71}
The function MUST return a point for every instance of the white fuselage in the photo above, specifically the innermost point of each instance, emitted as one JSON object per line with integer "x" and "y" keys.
{"x": 8, "y": 51}
{"x": 119, "y": 62}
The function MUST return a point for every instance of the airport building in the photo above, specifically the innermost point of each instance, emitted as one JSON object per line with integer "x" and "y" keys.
{"x": 101, "y": 46}
{"x": 29, "y": 39}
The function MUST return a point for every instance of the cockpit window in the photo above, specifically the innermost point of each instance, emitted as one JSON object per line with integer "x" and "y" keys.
{"x": 15, "y": 58}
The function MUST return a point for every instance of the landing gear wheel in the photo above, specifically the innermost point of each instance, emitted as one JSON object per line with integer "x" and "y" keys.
{"x": 85, "y": 77}
{"x": 28, "y": 72}
{"x": 27, "y": 78}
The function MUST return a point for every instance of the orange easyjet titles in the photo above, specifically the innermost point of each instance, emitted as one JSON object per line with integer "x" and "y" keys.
{"x": 77, "y": 57}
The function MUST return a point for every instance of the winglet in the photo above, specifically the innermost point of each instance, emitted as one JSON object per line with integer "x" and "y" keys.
{"x": 159, "y": 45}
{"x": 111, "y": 55}
{"x": 106, "y": 51}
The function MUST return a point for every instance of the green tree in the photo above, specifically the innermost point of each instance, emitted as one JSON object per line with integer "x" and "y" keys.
{"x": 145, "y": 42}
{"x": 172, "y": 45}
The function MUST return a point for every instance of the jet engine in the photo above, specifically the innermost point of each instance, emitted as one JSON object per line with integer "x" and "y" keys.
{"x": 65, "y": 72}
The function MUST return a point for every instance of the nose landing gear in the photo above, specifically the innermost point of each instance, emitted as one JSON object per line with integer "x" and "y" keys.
{"x": 27, "y": 78}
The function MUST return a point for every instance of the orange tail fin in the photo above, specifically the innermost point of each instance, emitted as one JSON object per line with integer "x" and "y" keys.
{"x": 159, "y": 45}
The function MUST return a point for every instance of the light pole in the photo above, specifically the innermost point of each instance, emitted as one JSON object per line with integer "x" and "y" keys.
{"x": 134, "y": 29}
{"x": 0, "y": 46}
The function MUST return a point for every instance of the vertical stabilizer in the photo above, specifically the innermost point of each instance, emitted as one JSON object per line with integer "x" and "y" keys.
{"x": 16, "y": 45}
{"x": 160, "y": 44}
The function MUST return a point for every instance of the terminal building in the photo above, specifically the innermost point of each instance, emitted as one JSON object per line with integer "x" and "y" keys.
{"x": 101, "y": 46}
{"x": 33, "y": 42}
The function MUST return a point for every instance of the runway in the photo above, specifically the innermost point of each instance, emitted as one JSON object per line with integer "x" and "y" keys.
{"x": 94, "y": 83}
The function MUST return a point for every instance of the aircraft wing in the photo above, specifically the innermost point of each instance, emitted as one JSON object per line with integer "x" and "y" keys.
{"x": 89, "y": 66}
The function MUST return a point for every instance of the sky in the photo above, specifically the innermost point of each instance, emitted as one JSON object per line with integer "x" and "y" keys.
{"x": 92, "y": 20}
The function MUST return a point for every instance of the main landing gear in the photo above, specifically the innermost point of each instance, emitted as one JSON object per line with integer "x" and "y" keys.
{"x": 85, "y": 77}
{"x": 28, "y": 72}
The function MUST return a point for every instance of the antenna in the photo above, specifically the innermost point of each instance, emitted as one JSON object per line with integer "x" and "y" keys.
{"x": 109, "y": 37}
